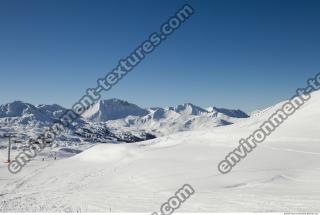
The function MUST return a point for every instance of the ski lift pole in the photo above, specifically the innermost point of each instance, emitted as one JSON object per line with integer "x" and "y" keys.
{"x": 9, "y": 149}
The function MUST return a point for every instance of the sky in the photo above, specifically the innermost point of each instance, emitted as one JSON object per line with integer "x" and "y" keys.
{"x": 233, "y": 54}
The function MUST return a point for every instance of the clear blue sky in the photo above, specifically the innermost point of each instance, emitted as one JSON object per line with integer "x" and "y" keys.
{"x": 235, "y": 54}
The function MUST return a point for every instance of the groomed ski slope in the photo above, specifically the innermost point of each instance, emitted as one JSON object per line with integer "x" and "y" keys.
{"x": 280, "y": 175}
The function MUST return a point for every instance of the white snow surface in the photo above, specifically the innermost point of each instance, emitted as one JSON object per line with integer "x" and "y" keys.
{"x": 281, "y": 175}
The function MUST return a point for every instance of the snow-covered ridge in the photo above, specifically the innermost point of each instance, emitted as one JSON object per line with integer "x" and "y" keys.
{"x": 110, "y": 109}
{"x": 228, "y": 112}
{"x": 118, "y": 116}
{"x": 121, "y": 115}
{"x": 188, "y": 108}
{"x": 113, "y": 109}
{"x": 23, "y": 113}
{"x": 54, "y": 110}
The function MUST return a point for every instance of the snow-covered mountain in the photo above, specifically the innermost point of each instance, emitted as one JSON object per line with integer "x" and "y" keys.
{"x": 115, "y": 109}
{"x": 112, "y": 109}
{"x": 54, "y": 111}
{"x": 228, "y": 112}
{"x": 19, "y": 112}
{"x": 115, "y": 120}
{"x": 188, "y": 109}
{"x": 27, "y": 120}
{"x": 162, "y": 121}
{"x": 184, "y": 117}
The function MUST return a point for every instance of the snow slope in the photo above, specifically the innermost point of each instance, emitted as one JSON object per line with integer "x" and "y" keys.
{"x": 281, "y": 175}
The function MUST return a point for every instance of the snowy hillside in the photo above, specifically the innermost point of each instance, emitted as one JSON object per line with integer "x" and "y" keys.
{"x": 281, "y": 175}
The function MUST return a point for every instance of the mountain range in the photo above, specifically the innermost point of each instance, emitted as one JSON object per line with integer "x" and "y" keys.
{"x": 115, "y": 120}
